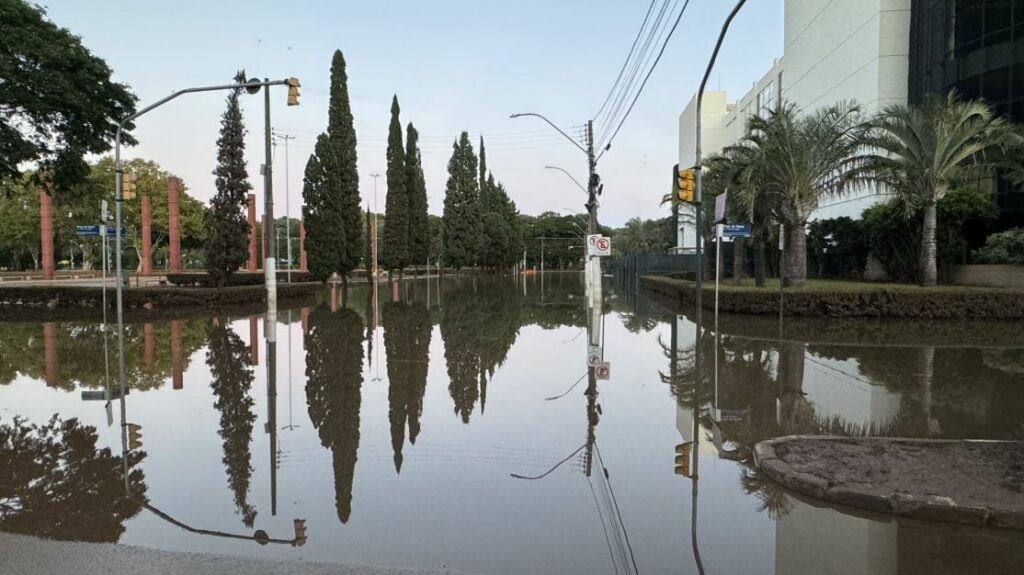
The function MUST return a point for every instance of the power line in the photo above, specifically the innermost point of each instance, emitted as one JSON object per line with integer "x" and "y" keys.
{"x": 632, "y": 48}
{"x": 649, "y": 72}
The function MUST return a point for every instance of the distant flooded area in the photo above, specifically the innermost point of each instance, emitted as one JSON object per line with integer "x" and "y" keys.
{"x": 491, "y": 425}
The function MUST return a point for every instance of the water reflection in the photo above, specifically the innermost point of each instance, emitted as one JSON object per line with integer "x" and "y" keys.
{"x": 423, "y": 398}
{"x": 334, "y": 381}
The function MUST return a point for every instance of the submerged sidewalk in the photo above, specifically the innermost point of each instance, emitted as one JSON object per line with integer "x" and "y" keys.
{"x": 972, "y": 482}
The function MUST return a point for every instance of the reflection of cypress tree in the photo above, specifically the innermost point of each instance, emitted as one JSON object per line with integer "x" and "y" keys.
{"x": 334, "y": 380}
{"x": 407, "y": 342}
{"x": 56, "y": 484}
{"x": 479, "y": 326}
{"x": 228, "y": 358}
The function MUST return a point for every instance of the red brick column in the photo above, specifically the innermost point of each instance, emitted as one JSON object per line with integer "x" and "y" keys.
{"x": 177, "y": 356}
{"x": 304, "y": 314}
{"x": 302, "y": 245}
{"x": 148, "y": 344}
{"x": 334, "y": 297}
{"x": 51, "y": 365}
{"x": 251, "y": 204}
{"x": 46, "y": 233}
{"x": 147, "y": 237}
{"x": 173, "y": 225}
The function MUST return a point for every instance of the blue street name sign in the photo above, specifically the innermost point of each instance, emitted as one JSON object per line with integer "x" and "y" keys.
{"x": 736, "y": 230}
{"x": 95, "y": 231}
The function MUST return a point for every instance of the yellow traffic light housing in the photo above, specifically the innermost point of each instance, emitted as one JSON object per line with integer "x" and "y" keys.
{"x": 134, "y": 436}
{"x": 685, "y": 183}
{"x": 684, "y": 453}
{"x": 293, "y": 91}
{"x": 127, "y": 186}
{"x": 300, "y": 533}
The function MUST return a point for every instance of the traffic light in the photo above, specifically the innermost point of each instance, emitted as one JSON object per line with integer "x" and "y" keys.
{"x": 134, "y": 436}
{"x": 683, "y": 454}
{"x": 127, "y": 186}
{"x": 300, "y": 533}
{"x": 293, "y": 91}
{"x": 684, "y": 183}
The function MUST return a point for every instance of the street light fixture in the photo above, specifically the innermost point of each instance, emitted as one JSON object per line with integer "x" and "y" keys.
{"x": 574, "y": 180}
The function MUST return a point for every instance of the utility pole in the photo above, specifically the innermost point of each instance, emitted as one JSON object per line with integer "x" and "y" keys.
{"x": 373, "y": 238}
{"x": 591, "y": 180}
{"x": 287, "y": 207}
{"x": 270, "y": 265}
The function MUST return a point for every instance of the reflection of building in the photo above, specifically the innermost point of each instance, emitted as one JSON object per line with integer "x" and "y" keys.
{"x": 810, "y": 539}
{"x": 835, "y": 392}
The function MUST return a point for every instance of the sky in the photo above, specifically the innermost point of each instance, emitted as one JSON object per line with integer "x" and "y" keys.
{"x": 454, "y": 64}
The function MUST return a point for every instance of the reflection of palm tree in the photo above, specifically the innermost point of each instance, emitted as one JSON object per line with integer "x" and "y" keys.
{"x": 407, "y": 343}
{"x": 56, "y": 484}
{"x": 334, "y": 380}
{"x": 228, "y": 358}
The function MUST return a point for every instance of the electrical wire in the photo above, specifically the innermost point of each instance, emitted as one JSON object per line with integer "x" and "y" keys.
{"x": 632, "y": 49}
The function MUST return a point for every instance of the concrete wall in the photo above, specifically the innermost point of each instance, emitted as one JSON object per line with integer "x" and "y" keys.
{"x": 989, "y": 275}
{"x": 840, "y": 50}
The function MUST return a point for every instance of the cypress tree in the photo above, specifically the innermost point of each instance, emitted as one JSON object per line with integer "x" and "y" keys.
{"x": 461, "y": 218}
{"x": 483, "y": 169}
{"x": 342, "y": 174}
{"x": 395, "y": 249}
{"x": 227, "y": 244}
{"x": 323, "y": 234}
{"x": 416, "y": 187}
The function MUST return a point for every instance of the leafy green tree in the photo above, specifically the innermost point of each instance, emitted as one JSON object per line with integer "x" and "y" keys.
{"x": 342, "y": 173}
{"x": 19, "y": 213}
{"x": 838, "y": 247}
{"x": 334, "y": 380}
{"x": 59, "y": 103}
{"x": 231, "y": 379}
{"x": 461, "y": 215}
{"x": 800, "y": 160}
{"x": 921, "y": 152}
{"x": 227, "y": 244}
{"x": 394, "y": 253}
{"x": 324, "y": 235}
{"x": 416, "y": 188}
{"x": 58, "y": 485}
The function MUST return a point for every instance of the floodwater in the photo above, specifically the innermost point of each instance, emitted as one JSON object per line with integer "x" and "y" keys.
{"x": 456, "y": 423}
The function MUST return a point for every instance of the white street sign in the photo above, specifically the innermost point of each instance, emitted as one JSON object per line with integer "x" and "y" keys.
{"x": 599, "y": 246}
{"x": 594, "y": 355}
{"x": 603, "y": 370}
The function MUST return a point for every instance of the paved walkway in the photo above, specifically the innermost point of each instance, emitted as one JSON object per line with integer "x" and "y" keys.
{"x": 21, "y": 555}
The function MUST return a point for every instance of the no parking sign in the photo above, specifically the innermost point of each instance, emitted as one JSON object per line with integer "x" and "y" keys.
{"x": 598, "y": 245}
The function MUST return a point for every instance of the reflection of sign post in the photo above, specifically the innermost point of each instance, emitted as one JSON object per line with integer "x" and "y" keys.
{"x": 594, "y": 355}
{"x": 603, "y": 370}
{"x": 599, "y": 246}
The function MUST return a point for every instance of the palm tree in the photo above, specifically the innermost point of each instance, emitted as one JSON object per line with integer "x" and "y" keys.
{"x": 920, "y": 152}
{"x": 798, "y": 160}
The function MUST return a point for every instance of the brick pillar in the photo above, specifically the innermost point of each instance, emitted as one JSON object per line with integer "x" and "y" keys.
{"x": 177, "y": 356}
{"x": 148, "y": 344}
{"x": 334, "y": 297}
{"x": 51, "y": 366}
{"x": 147, "y": 237}
{"x": 254, "y": 336}
{"x": 302, "y": 245}
{"x": 304, "y": 314}
{"x": 251, "y": 205}
{"x": 173, "y": 225}
{"x": 46, "y": 233}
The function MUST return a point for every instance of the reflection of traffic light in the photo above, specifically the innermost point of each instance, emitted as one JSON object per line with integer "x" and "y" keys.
{"x": 684, "y": 182}
{"x": 300, "y": 533}
{"x": 683, "y": 454}
{"x": 293, "y": 91}
{"x": 127, "y": 186}
{"x": 134, "y": 436}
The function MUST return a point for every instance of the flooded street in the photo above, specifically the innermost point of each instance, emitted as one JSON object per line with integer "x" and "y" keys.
{"x": 455, "y": 423}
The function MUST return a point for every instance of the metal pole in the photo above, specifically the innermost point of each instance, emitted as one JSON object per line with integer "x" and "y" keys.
{"x": 270, "y": 265}
{"x": 697, "y": 166}
{"x": 591, "y": 183}
{"x": 782, "y": 269}
{"x": 373, "y": 247}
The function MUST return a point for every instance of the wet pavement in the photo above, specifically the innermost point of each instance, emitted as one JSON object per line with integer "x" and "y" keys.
{"x": 491, "y": 425}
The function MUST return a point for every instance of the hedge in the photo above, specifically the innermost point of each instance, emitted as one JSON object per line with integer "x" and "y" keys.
{"x": 914, "y": 303}
{"x": 202, "y": 279}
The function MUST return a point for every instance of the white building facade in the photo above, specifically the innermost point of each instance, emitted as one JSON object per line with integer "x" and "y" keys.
{"x": 835, "y": 50}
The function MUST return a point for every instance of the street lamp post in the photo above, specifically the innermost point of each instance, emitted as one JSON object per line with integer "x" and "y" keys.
{"x": 118, "y": 197}
{"x": 578, "y": 185}
{"x": 373, "y": 246}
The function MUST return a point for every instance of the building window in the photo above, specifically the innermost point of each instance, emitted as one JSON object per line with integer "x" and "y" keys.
{"x": 765, "y": 100}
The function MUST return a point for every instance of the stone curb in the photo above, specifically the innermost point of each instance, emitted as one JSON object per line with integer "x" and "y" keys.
{"x": 918, "y": 506}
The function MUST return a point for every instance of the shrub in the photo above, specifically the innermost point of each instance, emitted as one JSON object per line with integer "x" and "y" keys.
{"x": 1003, "y": 248}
